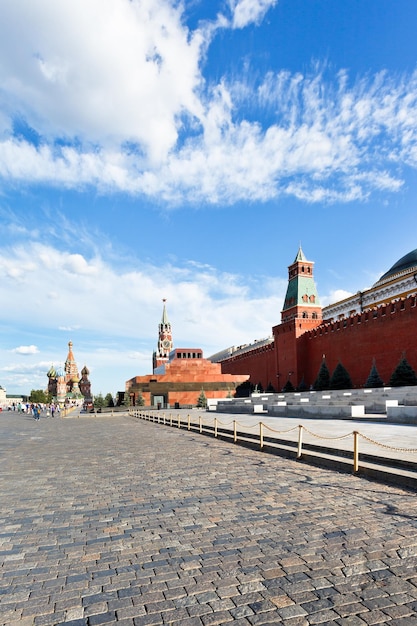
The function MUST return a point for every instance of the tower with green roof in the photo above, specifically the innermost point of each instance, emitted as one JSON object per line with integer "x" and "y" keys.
{"x": 301, "y": 312}
{"x": 301, "y": 300}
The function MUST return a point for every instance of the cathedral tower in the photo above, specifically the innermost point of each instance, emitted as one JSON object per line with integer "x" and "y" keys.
{"x": 85, "y": 385}
{"x": 71, "y": 369}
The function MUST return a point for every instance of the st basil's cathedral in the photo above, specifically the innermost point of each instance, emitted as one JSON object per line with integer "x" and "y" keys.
{"x": 65, "y": 385}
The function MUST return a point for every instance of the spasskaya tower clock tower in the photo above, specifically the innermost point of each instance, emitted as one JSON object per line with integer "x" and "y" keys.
{"x": 165, "y": 343}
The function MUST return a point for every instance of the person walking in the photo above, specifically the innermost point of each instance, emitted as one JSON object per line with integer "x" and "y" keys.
{"x": 36, "y": 412}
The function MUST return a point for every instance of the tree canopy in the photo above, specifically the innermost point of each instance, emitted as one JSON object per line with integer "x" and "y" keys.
{"x": 340, "y": 379}
{"x": 39, "y": 396}
{"x": 403, "y": 375}
{"x": 202, "y": 400}
{"x": 99, "y": 401}
{"x": 323, "y": 377}
{"x": 374, "y": 380}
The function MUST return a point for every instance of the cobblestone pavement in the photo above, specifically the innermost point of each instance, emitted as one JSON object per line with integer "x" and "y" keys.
{"x": 112, "y": 519}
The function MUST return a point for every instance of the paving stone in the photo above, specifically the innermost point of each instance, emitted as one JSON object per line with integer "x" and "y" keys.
{"x": 376, "y": 617}
{"x": 75, "y": 622}
{"x": 102, "y": 618}
{"x": 130, "y": 612}
{"x": 292, "y": 611}
{"x": 148, "y": 620}
{"x": 395, "y": 612}
{"x": 213, "y": 619}
{"x": 49, "y": 619}
{"x": 266, "y": 618}
{"x": 323, "y": 617}
{"x": 196, "y": 610}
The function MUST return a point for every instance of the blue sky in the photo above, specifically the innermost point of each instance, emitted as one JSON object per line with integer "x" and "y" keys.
{"x": 183, "y": 150}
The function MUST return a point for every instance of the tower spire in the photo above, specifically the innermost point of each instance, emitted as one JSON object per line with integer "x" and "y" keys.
{"x": 164, "y": 313}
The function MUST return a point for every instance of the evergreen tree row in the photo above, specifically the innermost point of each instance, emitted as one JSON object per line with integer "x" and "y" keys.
{"x": 402, "y": 376}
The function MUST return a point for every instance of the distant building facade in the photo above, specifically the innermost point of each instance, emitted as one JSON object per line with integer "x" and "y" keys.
{"x": 10, "y": 400}
{"x": 377, "y": 326}
{"x": 65, "y": 385}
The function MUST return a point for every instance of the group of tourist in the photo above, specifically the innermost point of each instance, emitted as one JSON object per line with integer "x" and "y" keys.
{"x": 51, "y": 410}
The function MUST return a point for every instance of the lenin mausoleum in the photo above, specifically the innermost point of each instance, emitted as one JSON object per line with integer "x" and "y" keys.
{"x": 180, "y": 375}
{"x": 377, "y": 326}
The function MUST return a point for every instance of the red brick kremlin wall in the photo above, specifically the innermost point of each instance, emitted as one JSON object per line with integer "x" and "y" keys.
{"x": 384, "y": 334}
{"x": 259, "y": 363}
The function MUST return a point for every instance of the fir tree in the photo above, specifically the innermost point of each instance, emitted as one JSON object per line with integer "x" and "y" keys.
{"x": 288, "y": 387}
{"x": 98, "y": 401}
{"x": 140, "y": 400}
{"x": 340, "y": 378}
{"x": 302, "y": 386}
{"x": 202, "y": 400}
{"x": 244, "y": 389}
{"x": 39, "y": 396}
{"x": 323, "y": 377}
{"x": 108, "y": 400}
{"x": 374, "y": 379}
{"x": 403, "y": 375}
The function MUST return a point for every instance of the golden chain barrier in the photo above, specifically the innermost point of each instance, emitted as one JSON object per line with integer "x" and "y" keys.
{"x": 330, "y": 438}
{"x": 384, "y": 445}
{"x": 248, "y": 425}
{"x": 280, "y": 432}
{"x": 224, "y": 424}
{"x": 261, "y": 426}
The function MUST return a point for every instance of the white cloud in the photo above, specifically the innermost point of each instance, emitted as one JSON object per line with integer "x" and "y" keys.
{"x": 336, "y": 295}
{"x": 69, "y": 328}
{"x": 76, "y": 264}
{"x": 246, "y": 12}
{"x": 327, "y": 158}
{"x": 26, "y": 350}
{"x": 94, "y": 296}
{"x": 126, "y": 79}
{"x": 113, "y": 107}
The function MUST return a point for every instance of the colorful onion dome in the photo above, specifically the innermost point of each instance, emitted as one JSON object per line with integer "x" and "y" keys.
{"x": 51, "y": 372}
